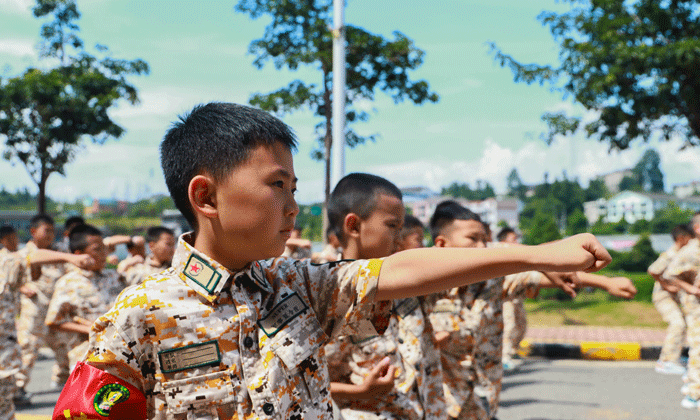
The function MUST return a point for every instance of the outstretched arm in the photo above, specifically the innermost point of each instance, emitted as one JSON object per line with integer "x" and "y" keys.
{"x": 420, "y": 272}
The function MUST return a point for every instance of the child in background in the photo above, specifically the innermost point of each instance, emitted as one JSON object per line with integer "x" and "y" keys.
{"x": 80, "y": 297}
{"x": 161, "y": 244}
{"x": 396, "y": 375}
{"x": 667, "y": 300}
{"x": 8, "y": 240}
{"x": 14, "y": 269}
{"x": 228, "y": 332}
{"x": 34, "y": 302}
{"x": 297, "y": 247}
{"x": 412, "y": 233}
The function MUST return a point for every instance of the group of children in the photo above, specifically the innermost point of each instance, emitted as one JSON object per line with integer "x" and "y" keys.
{"x": 59, "y": 302}
{"x": 233, "y": 330}
{"x": 677, "y": 297}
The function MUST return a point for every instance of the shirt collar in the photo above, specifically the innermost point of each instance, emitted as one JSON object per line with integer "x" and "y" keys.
{"x": 206, "y": 276}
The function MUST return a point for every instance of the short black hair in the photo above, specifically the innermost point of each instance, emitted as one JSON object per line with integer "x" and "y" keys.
{"x": 6, "y": 230}
{"x": 504, "y": 233}
{"x": 73, "y": 221}
{"x": 357, "y": 193}
{"x": 410, "y": 222}
{"x": 214, "y": 139}
{"x": 682, "y": 230}
{"x": 153, "y": 233}
{"x": 40, "y": 219}
{"x": 446, "y": 213}
{"x": 78, "y": 238}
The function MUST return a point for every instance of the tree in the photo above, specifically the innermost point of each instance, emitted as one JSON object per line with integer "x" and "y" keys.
{"x": 596, "y": 189}
{"x": 516, "y": 188}
{"x": 299, "y": 35}
{"x": 45, "y": 114}
{"x": 667, "y": 218}
{"x": 648, "y": 173}
{"x": 483, "y": 191}
{"x": 542, "y": 229}
{"x": 634, "y": 64}
{"x": 576, "y": 223}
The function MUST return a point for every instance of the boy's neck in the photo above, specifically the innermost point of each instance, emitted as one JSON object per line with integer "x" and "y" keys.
{"x": 213, "y": 250}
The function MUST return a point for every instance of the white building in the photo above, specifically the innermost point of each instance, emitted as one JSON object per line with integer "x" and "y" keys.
{"x": 686, "y": 190}
{"x": 491, "y": 210}
{"x": 633, "y": 206}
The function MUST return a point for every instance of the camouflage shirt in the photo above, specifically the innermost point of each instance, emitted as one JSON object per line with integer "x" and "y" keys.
{"x": 408, "y": 342}
{"x": 13, "y": 269}
{"x": 686, "y": 260}
{"x": 139, "y": 272}
{"x": 203, "y": 342}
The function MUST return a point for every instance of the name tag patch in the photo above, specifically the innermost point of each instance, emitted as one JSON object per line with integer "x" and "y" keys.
{"x": 194, "y": 355}
{"x": 281, "y": 314}
{"x": 404, "y": 307}
{"x": 199, "y": 271}
{"x": 445, "y": 306}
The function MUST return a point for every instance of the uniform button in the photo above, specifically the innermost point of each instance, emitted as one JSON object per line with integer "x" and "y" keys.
{"x": 400, "y": 340}
{"x": 268, "y": 409}
{"x": 248, "y": 342}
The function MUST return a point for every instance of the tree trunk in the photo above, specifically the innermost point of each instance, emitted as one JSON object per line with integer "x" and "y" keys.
{"x": 41, "y": 197}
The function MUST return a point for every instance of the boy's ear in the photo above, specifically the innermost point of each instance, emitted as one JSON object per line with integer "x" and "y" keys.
{"x": 351, "y": 226}
{"x": 202, "y": 195}
{"x": 440, "y": 241}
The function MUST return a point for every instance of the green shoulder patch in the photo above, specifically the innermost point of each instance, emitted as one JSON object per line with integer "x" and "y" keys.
{"x": 108, "y": 396}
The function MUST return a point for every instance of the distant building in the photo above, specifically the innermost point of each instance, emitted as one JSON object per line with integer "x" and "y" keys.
{"x": 612, "y": 179}
{"x": 491, "y": 210}
{"x": 686, "y": 190}
{"x": 412, "y": 194}
{"x": 633, "y": 206}
{"x": 97, "y": 206}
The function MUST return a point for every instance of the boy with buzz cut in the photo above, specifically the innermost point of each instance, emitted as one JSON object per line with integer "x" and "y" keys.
{"x": 473, "y": 336}
{"x": 667, "y": 300}
{"x": 34, "y": 301}
{"x": 14, "y": 268}
{"x": 395, "y": 375}
{"x": 229, "y": 331}
{"x": 80, "y": 297}
{"x": 161, "y": 243}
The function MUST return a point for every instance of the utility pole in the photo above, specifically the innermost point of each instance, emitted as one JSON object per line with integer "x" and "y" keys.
{"x": 338, "y": 146}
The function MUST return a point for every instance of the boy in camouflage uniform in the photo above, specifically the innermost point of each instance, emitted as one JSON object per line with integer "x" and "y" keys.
{"x": 13, "y": 274}
{"x": 682, "y": 272}
{"x": 80, "y": 297}
{"x": 396, "y": 375}
{"x": 667, "y": 300}
{"x": 226, "y": 333}
{"x": 34, "y": 302}
{"x": 161, "y": 243}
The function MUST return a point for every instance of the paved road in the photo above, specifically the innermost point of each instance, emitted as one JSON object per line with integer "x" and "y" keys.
{"x": 591, "y": 390}
{"x": 541, "y": 390}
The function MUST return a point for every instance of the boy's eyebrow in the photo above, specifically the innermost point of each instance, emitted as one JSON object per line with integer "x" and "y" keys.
{"x": 286, "y": 174}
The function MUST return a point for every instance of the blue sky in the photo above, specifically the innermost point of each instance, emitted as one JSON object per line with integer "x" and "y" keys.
{"x": 483, "y": 126}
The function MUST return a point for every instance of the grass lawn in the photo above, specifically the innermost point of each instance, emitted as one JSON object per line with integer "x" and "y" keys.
{"x": 597, "y": 308}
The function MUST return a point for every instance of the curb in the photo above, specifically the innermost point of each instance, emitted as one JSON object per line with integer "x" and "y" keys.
{"x": 592, "y": 350}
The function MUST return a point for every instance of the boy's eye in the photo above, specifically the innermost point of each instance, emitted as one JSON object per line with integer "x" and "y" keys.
{"x": 279, "y": 184}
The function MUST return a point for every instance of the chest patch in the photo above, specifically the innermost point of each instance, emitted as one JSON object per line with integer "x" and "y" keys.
{"x": 194, "y": 355}
{"x": 282, "y": 314}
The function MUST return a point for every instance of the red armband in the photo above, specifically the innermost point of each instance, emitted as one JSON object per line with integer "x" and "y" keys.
{"x": 93, "y": 394}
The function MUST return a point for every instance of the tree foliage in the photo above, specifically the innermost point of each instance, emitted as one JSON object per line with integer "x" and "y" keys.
{"x": 482, "y": 191}
{"x": 634, "y": 64}
{"x": 299, "y": 34}
{"x": 45, "y": 114}
{"x": 647, "y": 172}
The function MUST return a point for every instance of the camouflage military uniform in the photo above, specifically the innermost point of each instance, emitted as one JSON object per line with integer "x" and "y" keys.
{"x": 472, "y": 356}
{"x": 12, "y": 276}
{"x": 687, "y": 260}
{"x": 139, "y": 272}
{"x": 669, "y": 306}
{"x": 514, "y": 327}
{"x": 408, "y": 342}
{"x": 203, "y": 342}
{"x": 31, "y": 329}
{"x": 83, "y": 294}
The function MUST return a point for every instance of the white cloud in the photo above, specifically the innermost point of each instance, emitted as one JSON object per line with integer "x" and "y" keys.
{"x": 17, "y": 47}
{"x": 21, "y": 7}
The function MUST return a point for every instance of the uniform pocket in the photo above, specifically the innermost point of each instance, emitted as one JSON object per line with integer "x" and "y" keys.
{"x": 198, "y": 396}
